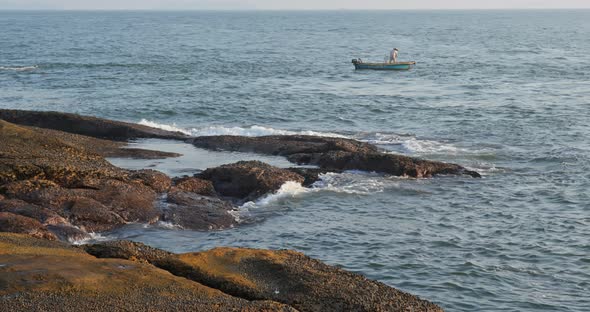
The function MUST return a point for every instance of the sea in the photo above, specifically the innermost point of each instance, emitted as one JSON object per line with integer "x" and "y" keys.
{"x": 505, "y": 93}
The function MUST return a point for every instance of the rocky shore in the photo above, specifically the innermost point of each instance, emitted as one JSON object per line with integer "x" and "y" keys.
{"x": 56, "y": 187}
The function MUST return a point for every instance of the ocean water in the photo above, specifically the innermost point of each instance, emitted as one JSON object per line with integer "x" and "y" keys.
{"x": 506, "y": 93}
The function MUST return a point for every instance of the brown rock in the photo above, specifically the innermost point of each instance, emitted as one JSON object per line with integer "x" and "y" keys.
{"x": 93, "y": 216}
{"x": 158, "y": 181}
{"x": 282, "y": 144}
{"x": 332, "y": 154}
{"x": 282, "y": 276}
{"x": 38, "y": 275}
{"x": 68, "y": 233}
{"x": 295, "y": 279}
{"x": 105, "y": 148}
{"x": 379, "y": 162}
{"x": 13, "y": 223}
{"x": 248, "y": 180}
{"x": 85, "y": 125}
{"x": 43, "y": 215}
{"x": 197, "y": 212}
{"x": 195, "y": 185}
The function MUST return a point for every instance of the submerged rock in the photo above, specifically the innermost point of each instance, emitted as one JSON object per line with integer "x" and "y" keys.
{"x": 248, "y": 180}
{"x": 282, "y": 276}
{"x": 332, "y": 154}
{"x": 39, "y": 275}
{"x": 197, "y": 212}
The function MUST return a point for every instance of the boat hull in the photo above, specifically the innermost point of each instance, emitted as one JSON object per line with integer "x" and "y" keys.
{"x": 385, "y": 66}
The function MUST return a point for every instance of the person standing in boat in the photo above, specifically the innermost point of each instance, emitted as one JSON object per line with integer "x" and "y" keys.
{"x": 393, "y": 56}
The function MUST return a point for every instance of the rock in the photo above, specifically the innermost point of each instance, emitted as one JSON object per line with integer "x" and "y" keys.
{"x": 311, "y": 175}
{"x": 282, "y": 276}
{"x": 281, "y": 144}
{"x": 13, "y": 223}
{"x": 29, "y": 155}
{"x": 195, "y": 185}
{"x": 332, "y": 154}
{"x": 128, "y": 250}
{"x": 197, "y": 212}
{"x": 248, "y": 180}
{"x": 295, "y": 279}
{"x": 105, "y": 148}
{"x": 69, "y": 233}
{"x": 39, "y": 275}
{"x": 113, "y": 202}
{"x": 158, "y": 181}
{"x": 85, "y": 125}
{"x": 43, "y": 215}
{"x": 93, "y": 216}
{"x": 397, "y": 165}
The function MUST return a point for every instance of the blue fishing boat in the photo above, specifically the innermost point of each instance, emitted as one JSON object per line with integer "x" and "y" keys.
{"x": 359, "y": 64}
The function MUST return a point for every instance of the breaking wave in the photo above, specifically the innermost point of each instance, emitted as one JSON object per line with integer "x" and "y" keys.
{"x": 19, "y": 68}
{"x": 409, "y": 143}
{"x": 252, "y": 131}
{"x": 92, "y": 238}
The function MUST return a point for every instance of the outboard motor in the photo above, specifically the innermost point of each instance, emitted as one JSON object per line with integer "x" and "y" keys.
{"x": 355, "y": 61}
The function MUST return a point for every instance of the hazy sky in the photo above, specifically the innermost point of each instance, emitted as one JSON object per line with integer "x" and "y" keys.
{"x": 289, "y": 4}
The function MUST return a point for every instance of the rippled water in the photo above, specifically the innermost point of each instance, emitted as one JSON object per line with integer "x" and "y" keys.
{"x": 504, "y": 92}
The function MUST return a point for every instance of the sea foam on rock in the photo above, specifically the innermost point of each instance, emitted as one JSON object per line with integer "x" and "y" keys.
{"x": 332, "y": 154}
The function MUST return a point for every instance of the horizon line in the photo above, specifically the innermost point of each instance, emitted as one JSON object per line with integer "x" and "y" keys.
{"x": 286, "y": 10}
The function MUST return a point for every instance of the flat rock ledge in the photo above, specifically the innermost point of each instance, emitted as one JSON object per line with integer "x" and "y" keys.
{"x": 333, "y": 154}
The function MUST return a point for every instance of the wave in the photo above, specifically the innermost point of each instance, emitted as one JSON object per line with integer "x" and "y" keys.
{"x": 19, "y": 68}
{"x": 166, "y": 127}
{"x": 289, "y": 189}
{"x": 92, "y": 237}
{"x": 348, "y": 182}
{"x": 252, "y": 131}
{"x": 409, "y": 143}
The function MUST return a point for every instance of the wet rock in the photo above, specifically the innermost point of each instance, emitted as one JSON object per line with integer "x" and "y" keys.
{"x": 92, "y": 216}
{"x": 85, "y": 125}
{"x": 379, "y": 162}
{"x": 332, "y": 154}
{"x": 281, "y": 144}
{"x": 311, "y": 175}
{"x": 69, "y": 233}
{"x": 195, "y": 185}
{"x": 49, "y": 276}
{"x": 197, "y": 212}
{"x": 248, "y": 180}
{"x": 13, "y": 223}
{"x": 43, "y": 215}
{"x": 158, "y": 181}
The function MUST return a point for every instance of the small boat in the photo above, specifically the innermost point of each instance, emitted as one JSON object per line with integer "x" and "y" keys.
{"x": 358, "y": 64}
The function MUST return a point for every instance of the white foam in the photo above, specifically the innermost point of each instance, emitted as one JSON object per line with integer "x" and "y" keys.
{"x": 252, "y": 131}
{"x": 410, "y": 143}
{"x": 19, "y": 68}
{"x": 353, "y": 182}
{"x": 166, "y": 127}
{"x": 93, "y": 237}
{"x": 289, "y": 189}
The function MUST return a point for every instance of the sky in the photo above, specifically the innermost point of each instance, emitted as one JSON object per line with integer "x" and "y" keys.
{"x": 287, "y": 4}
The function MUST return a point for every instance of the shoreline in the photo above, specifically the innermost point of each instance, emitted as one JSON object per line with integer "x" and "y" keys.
{"x": 56, "y": 184}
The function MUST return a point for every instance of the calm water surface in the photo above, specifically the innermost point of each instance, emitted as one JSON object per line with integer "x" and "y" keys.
{"x": 506, "y": 93}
